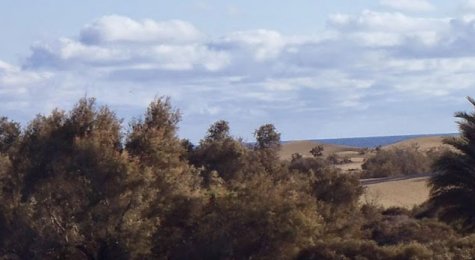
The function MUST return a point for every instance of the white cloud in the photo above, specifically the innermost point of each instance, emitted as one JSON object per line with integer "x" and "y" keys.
{"x": 468, "y": 6}
{"x": 408, "y": 36}
{"x": 68, "y": 53}
{"x": 12, "y": 76}
{"x": 264, "y": 44}
{"x": 358, "y": 63}
{"x": 354, "y": 53}
{"x": 120, "y": 29}
{"x": 409, "y": 5}
{"x": 384, "y": 22}
{"x": 25, "y": 92}
{"x": 186, "y": 57}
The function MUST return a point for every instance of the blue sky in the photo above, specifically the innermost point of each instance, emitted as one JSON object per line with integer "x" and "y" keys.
{"x": 316, "y": 69}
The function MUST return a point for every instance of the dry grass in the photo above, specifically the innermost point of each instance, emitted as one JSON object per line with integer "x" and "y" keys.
{"x": 402, "y": 193}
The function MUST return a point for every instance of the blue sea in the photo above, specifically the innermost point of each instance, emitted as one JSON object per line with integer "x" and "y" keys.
{"x": 372, "y": 142}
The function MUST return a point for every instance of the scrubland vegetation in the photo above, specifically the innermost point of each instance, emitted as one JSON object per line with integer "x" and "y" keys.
{"x": 397, "y": 161}
{"x": 76, "y": 185}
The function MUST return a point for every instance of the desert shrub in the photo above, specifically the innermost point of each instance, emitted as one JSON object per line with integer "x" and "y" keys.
{"x": 308, "y": 165}
{"x": 396, "y": 211}
{"x": 336, "y": 188}
{"x": 296, "y": 156}
{"x": 77, "y": 192}
{"x": 257, "y": 218}
{"x": 364, "y": 151}
{"x": 317, "y": 151}
{"x": 397, "y": 229}
{"x": 435, "y": 153}
{"x": 371, "y": 212}
{"x": 336, "y": 159}
{"x": 397, "y": 162}
{"x": 338, "y": 194}
{"x": 454, "y": 248}
{"x": 328, "y": 184}
{"x": 424, "y": 210}
{"x": 363, "y": 249}
{"x": 333, "y": 158}
{"x": 219, "y": 152}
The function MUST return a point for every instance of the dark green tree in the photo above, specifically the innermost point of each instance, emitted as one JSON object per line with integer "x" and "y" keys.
{"x": 267, "y": 137}
{"x": 218, "y": 131}
{"x": 153, "y": 139}
{"x": 453, "y": 185}
{"x": 220, "y": 152}
{"x": 267, "y": 148}
{"x": 171, "y": 187}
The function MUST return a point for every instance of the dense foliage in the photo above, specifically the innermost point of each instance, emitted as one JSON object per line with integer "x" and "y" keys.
{"x": 453, "y": 185}
{"x": 76, "y": 185}
{"x": 398, "y": 162}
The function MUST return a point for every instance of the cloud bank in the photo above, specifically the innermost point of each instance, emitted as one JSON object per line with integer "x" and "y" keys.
{"x": 358, "y": 66}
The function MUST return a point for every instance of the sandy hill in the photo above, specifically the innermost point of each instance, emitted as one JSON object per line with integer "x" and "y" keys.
{"x": 424, "y": 143}
{"x": 400, "y": 193}
{"x": 304, "y": 147}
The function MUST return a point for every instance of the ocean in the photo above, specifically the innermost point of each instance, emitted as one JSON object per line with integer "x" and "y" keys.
{"x": 375, "y": 141}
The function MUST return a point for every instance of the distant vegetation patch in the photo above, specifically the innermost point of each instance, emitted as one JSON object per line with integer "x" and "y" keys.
{"x": 403, "y": 161}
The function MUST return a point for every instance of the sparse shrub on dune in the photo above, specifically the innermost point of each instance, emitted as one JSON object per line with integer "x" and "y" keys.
{"x": 317, "y": 151}
{"x": 336, "y": 159}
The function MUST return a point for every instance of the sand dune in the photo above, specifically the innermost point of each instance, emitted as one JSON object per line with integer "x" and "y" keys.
{"x": 304, "y": 147}
{"x": 400, "y": 193}
{"x": 424, "y": 143}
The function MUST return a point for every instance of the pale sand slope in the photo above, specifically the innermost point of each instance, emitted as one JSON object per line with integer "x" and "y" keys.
{"x": 424, "y": 143}
{"x": 304, "y": 147}
{"x": 401, "y": 193}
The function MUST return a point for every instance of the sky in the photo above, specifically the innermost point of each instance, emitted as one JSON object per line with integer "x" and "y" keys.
{"x": 314, "y": 69}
